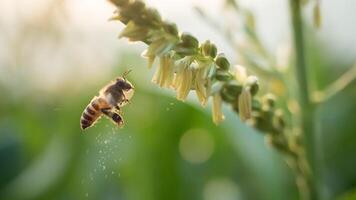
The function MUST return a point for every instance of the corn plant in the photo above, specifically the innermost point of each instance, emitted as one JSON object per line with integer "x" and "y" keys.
{"x": 187, "y": 64}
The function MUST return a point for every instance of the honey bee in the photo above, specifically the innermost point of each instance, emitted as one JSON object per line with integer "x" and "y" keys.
{"x": 109, "y": 102}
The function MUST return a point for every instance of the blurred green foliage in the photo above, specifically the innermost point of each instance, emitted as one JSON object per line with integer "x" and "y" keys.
{"x": 45, "y": 155}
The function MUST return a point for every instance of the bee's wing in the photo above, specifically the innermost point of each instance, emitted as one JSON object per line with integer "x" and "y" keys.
{"x": 128, "y": 96}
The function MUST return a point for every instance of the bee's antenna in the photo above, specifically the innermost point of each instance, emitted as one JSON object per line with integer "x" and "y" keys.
{"x": 126, "y": 73}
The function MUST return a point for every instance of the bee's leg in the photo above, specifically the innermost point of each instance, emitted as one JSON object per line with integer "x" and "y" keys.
{"x": 117, "y": 109}
{"x": 113, "y": 115}
{"x": 126, "y": 100}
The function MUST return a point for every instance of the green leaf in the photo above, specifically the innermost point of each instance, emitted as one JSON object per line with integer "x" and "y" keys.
{"x": 349, "y": 195}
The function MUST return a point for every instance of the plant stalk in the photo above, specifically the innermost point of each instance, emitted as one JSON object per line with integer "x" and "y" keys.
{"x": 307, "y": 107}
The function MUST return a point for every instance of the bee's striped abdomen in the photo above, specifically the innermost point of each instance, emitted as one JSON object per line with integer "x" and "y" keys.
{"x": 91, "y": 113}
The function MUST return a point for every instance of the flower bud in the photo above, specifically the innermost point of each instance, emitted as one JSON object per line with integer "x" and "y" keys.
{"x": 222, "y": 62}
{"x": 209, "y": 49}
{"x": 126, "y": 16}
{"x": 189, "y": 40}
{"x": 278, "y": 121}
{"x": 120, "y": 3}
{"x": 227, "y": 97}
{"x": 152, "y": 16}
{"x": 279, "y": 142}
{"x": 256, "y": 105}
{"x": 171, "y": 28}
{"x": 257, "y": 121}
{"x": 159, "y": 47}
{"x": 262, "y": 121}
{"x": 180, "y": 49}
{"x": 137, "y": 6}
{"x": 222, "y": 75}
{"x": 120, "y": 17}
{"x": 233, "y": 87}
{"x": 231, "y": 91}
{"x": 134, "y": 32}
{"x": 269, "y": 100}
{"x": 252, "y": 83}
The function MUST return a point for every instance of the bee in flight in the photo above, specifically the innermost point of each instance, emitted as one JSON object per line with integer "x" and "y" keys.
{"x": 111, "y": 99}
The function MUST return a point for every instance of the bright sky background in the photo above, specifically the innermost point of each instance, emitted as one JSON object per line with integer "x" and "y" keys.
{"x": 271, "y": 16}
{"x": 94, "y": 37}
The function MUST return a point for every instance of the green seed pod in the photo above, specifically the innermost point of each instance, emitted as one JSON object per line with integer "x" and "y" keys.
{"x": 209, "y": 49}
{"x": 189, "y": 40}
{"x": 278, "y": 121}
{"x": 265, "y": 122}
{"x": 152, "y": 16}
{"x": 279, "y": 142}
{"x": 171, "y": 28}
{"x": 222, "y": 62}
{"x": 121, "y": 18}
{"x": 233, "y": 87}
{"x": 256, "y": 105}
{"x": 227, "y": 97}
{"x": 222, "y": 75}
{"x": 269, "y": 100}
{"x": 258, "y": 121}
{"x": 126, "y": 14}
{"x": 137, "y": 6}
{"x": 182, "y": 50}
{"x": 120, "y": 3}
{"x": 134, "y": 32}
{"x": 254, "y": 89}
{"x": 252, "y": 82}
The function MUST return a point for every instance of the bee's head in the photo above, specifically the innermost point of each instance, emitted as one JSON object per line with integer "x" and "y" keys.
{"x": 123, "y": 84}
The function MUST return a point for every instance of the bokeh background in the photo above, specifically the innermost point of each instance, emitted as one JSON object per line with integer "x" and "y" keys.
{"x": 56, "y": 54}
